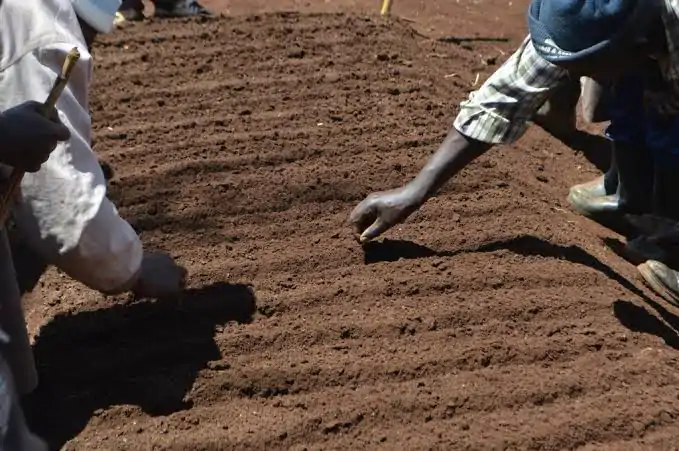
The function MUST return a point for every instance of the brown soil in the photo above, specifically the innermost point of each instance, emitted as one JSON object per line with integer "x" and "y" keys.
{"x": 494, "y": 318}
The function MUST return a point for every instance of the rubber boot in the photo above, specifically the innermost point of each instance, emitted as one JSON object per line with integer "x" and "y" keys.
{"x": 633, "y": 193}
{"x": 605, "y": 185}
{"x": 595, "y": 100}
{"x": 661, "y": 279}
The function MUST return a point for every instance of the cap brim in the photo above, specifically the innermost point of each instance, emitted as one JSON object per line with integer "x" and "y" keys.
{"x": 639, "y": 20}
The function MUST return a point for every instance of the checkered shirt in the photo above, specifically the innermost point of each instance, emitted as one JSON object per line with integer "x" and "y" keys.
{"x": 499, "y": 111}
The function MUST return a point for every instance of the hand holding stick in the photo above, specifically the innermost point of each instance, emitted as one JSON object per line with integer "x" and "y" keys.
{"x": 59, "y": 84}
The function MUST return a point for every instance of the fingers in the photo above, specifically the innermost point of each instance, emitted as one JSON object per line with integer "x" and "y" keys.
{"x": 55, "y": 127}
{"x": 32, "y": 105}
{"x": 34, "y": 157}
{"x": 368, "y": 219}
{"x": 374, "y": 230}
{"x": 362, "y": 216}
{"x": 53, "y": 115}
{"x": 60, "y": 132}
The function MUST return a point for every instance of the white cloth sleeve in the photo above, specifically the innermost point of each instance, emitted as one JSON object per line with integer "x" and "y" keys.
{"x": 63, "y": 211}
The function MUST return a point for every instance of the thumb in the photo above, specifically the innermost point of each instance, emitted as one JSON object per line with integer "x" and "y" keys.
{"x": 375, "y": 230}
{"x": 59, "y": 131}
{"x": 362, "y": 216}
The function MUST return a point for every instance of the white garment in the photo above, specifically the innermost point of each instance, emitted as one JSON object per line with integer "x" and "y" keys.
{"x": 63, "y": 211}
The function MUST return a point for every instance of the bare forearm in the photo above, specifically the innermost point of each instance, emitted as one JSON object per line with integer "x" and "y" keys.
{"x": 456, "y": 152}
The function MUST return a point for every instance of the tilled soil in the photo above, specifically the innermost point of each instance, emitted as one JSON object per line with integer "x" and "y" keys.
{"x": 494, "y": 318}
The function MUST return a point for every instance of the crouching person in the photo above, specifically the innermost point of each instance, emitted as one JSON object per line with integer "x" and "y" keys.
{"x": 63, "y": 213}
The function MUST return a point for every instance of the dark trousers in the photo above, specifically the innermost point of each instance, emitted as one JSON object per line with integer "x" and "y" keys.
{"x": 654, "y": 137}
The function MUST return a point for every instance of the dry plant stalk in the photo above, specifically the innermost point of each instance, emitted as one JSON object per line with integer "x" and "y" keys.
{"x": 386, "y": 7}
{"x": 57, "y": 88}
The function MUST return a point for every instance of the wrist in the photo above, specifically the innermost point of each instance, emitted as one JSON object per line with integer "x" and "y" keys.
{"x": 417, "y": 192}
{"x": 133, "y": 284}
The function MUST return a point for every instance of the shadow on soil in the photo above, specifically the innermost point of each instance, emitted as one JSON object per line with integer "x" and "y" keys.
{"x": 393, "y": 250}
{"x": 145, "y": 354}
{"x": 639, "y": 319}
{"x": 596, "y": 148}
{"x": 636, "y": 318}
{"x": 619, "y": 248}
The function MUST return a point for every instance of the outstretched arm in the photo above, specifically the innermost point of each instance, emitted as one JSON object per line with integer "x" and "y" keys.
{"x": 498, "y": 113}
{"x": 381, "y": 211}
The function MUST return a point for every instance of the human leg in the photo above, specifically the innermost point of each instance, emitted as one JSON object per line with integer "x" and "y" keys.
{"x": 627, "y": 186}
{"x": 659, "y": 239}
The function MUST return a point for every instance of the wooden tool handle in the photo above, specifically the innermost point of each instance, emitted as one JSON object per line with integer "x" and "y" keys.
{"x": 59, "y": 84}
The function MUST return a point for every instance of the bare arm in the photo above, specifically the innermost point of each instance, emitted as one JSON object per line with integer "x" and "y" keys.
{"x": 456, "y": 152}
{"x": 380, "y": 211}
{"x": 497, "y": 113}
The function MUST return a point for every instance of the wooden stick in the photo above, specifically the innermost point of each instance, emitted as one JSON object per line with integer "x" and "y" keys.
{"x": 57, "y": 88}
{"x": 386, "y": 7}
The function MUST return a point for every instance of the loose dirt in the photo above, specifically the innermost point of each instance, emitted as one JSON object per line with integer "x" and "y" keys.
{"x": 494, "y": 318}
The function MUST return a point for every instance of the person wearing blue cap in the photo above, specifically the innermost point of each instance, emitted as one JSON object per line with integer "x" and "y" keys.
{"x": 631, "y": 44}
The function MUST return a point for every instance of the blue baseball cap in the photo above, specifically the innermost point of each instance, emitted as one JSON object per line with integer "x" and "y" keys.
{"x": 570, "y": 31}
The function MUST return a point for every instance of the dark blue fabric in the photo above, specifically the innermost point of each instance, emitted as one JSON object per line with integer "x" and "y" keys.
{"x": 633, "y": 123}
{"x": 570, "y": 30}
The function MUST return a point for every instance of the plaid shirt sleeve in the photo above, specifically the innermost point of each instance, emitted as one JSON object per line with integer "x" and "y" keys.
{"x": 499, "y": 111}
